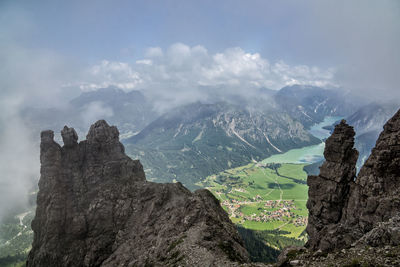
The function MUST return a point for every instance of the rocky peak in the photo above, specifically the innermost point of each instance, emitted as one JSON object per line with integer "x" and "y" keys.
{"x": 339, "y": 146}
{"x": 102, "y": 133}
{"x": 383, "y": 164}
{"x": 47, "y": 136}
{"x": 342, "y": 207}
{"x": 95, "y": 208}
{"x": 376, "y": 194}
{"x": 69, "y": 136}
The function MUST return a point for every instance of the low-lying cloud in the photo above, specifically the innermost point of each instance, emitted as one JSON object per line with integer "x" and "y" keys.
{"x": 95, "y": 111}
{"x": 29, "y": 77}
{"x": 182, "y": 73}
{"x": 19, "y": 161}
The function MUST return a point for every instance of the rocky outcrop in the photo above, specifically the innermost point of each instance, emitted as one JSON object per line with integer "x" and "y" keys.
{"x": 386, "y": 256}
{"x": 344, "y": 208}
{"x": 353, "y": 221}
{"x": 95, "y": 208}
{"x": 328, "y": 191}
{"x": 383, "y": 233}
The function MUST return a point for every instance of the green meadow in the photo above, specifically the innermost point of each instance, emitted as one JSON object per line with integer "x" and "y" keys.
{"x": 264, "y": 197}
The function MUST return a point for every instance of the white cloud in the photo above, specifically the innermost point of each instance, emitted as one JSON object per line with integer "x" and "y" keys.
{"x": 178, "y": 53}
{"x": 182, "y": 72}
{"x": 144, "y": 62}
{"x": 95, "y": 111}
{"x": 303, "y": 75}
{"x": 235, "y": 67}
{"x": 107, "y": 73}
{"x": 152, "y": 52}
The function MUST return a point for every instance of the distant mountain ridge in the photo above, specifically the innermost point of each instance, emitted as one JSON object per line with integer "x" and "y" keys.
{"x": 368, "y": 122}
{"x": 310, "y": 105}
{"x": 130, "y": 111}
{"x": 186, "y": 140}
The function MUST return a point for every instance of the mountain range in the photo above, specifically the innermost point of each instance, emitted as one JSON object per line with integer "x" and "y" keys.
{"x": 189, "y": 142}
{"x": 130, "y": 111}
{"x": 196, "y": 140}
{"x": 310, "y": 104}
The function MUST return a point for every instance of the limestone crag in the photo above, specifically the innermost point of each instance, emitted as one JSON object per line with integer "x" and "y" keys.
{"x": 376, "y": 194}
{"x": 95, "y": 208}
{"x": 329, "y": 190}
{"x": 344, "y": 208}
{"x": 387, "y": 233}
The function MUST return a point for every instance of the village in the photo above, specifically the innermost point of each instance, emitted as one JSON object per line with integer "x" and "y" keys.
{"x": 260, "y": 199}
{"x": 273, "y": 210}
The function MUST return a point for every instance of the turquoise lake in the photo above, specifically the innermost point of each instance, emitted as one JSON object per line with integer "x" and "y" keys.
{"x": 308, "y": 154}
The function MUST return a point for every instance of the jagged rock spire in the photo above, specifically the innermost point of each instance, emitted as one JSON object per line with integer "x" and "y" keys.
{"x": 101, "y": 132}
{"x": 95, "y": 208}
{"x": 328, "y": 192}
{"x": 343, "y": 208}
{"x": 69, "y": 136}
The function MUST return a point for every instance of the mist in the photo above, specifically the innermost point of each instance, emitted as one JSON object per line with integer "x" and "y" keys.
{"x": 364, "y": 36}
{"x": 19, "y": 159}
{"x": 28, "y": 78}
{"x": 19, "y": 153}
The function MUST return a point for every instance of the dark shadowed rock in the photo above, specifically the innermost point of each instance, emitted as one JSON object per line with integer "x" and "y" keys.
{"x": 353, "y": 221}
{"x": 95, "y": 208}
{"x": 328, "y": 191}
{"x": 343, "y": 208}
{"x": 383, "y": 233}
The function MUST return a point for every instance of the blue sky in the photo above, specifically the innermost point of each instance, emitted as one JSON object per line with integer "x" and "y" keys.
{"x": 294, "y": 31}
{"x": 120, "y": 29}
{"x": 58, "y": 44}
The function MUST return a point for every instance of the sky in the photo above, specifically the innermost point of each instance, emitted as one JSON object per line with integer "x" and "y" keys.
{"x": 60, "y": 44}
{"x": 52, "y": 50}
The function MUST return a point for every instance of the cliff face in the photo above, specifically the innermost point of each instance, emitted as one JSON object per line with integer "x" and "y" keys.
{"x": 95, "y": 208}
{"x": 345, "y": 209}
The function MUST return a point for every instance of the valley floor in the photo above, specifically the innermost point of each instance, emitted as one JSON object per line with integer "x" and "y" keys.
{"x": 265, "y": 197}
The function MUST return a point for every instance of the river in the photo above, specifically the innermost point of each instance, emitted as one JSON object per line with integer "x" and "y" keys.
{"x": 308, "y": 154}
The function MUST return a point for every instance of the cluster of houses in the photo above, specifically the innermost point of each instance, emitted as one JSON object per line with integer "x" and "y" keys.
{"x": 300, "y": 221}
{"x": 274, "y": 210}
{"x": 288, "y": 204}
{"x": 276, "y": 215}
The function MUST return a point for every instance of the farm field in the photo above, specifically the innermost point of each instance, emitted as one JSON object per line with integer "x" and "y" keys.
{"x": 269, "y": 197}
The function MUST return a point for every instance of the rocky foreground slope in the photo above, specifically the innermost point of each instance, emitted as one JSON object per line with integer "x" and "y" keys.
{"x": 354, "y": 220}
{"x": 95, "y": 208}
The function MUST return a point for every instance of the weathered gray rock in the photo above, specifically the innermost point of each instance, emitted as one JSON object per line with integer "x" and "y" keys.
{"x": 384, "y": 233}
{"x": 95, "y": 208}
{"x": 342, "y": 207}
{"x": 329, "y": 190}
{"x": 69, "y": 136}
{"x": 288, "y": 254}
{"x": 376, "y": 194}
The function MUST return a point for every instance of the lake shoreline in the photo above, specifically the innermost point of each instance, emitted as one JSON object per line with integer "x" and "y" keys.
{"x": 308, "y": 154}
